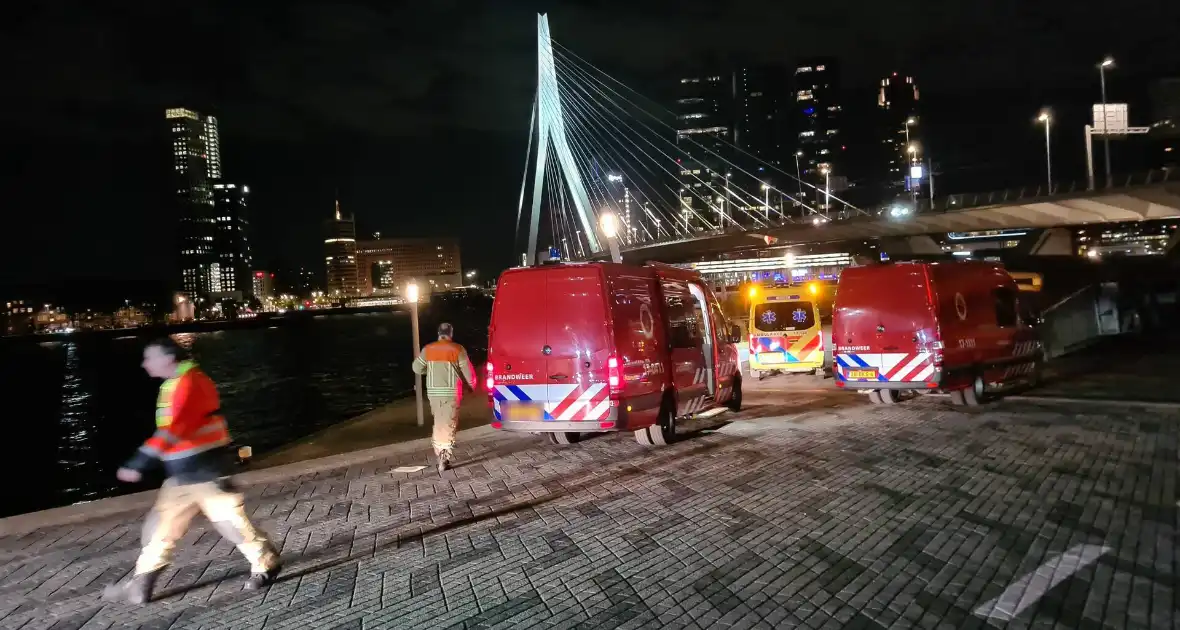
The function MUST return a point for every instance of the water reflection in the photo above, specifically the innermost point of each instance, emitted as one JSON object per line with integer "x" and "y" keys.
{"x": 85, "y": 406}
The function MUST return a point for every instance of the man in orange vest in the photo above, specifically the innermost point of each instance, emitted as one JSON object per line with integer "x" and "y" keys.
{"x": 190, "y": 441}
{"x": 447, "y": 368}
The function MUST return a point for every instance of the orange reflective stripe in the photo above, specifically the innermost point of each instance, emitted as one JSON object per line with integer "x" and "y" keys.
{"x": 442, "y": 352}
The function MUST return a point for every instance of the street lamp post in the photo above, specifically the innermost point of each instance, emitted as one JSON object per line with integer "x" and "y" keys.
{"x": 1106, "y": 63}
{"x": 912, "y": 151}
{"x": 827, "y": 171}
{"x": 609, "y": 224}
{"x": 909, "y": 121}
{"x": 799, "y": 176}
{"x": 1048, "y": 122}
{"x": 412, "y": 298}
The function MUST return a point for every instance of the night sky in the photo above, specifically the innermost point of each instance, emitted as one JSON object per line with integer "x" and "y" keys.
{"x": 417, "y": 112}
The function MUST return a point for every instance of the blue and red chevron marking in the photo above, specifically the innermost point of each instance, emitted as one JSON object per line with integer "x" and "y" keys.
{"x": 518, "y": 396}
{"x": 851, "y": 362}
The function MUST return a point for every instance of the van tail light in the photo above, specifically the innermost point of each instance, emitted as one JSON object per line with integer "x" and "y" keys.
{"x": 614, "y": 378}
{"x": 753, "y": 345}
{"x": 491, "y": 380}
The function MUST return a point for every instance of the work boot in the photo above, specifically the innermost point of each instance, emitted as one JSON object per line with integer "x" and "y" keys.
{"x": 444, "y": 460}
{"x": 259, "y": 580}
{"x": 135, "y": 590}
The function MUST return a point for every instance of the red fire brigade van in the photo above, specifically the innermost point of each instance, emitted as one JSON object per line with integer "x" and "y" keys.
{"x": 951, "y": 326}
{"x": 592, "y": 347}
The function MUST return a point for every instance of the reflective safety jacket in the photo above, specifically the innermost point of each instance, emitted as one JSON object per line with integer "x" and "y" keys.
{"x": 191, "y": 435}
{"x": 446, "y": 367}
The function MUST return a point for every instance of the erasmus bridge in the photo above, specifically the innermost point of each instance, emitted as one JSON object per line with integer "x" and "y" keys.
{"x": 607, "y": 168}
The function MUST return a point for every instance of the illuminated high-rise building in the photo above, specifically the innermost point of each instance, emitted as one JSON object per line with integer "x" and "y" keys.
{"x": 196, "y": 164}
{"x": 704, "y": 108}
{"x": 899, "y": 128}
{"x": 231, "y": 245}
{"x": 817, "y": 122}
{"x": 340, "y": 253}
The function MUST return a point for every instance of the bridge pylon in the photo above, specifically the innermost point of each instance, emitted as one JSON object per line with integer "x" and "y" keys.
{"x": 551, "y": 136}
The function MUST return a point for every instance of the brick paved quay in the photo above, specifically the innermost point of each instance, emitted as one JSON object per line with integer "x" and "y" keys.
{"x": 809, "y": 509}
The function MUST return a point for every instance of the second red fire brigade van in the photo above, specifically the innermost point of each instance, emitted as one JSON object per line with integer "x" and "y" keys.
{"x": 593, "y": 347}
{"x": 951, "y": 326}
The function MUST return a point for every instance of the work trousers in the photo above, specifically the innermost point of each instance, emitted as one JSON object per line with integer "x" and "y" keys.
{"x": 446, "y": 423}
{"x": 175, "y": 507}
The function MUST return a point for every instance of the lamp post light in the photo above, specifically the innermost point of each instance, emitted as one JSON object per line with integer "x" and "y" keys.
{"x": 827, "y": 171}
{"x": 909, "y": 121}
{"x": 1106, "y": 63}
{"x": 799, "y": 176}
{"x": 609, "y": 224}
{"x": 412, "y": 298}
{"x": 1047, "y": 120}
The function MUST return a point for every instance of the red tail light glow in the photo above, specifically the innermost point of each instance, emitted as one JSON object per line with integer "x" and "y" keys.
{"x": 614, "y": 377}
{"x": 491, "y": 381}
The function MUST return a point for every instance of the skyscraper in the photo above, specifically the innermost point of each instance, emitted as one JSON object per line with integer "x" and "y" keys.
{"x": 704, "y": 132}
{"x": 196, "y": 158}
{"x": 897, "y": 103}
{"x": 340, "y": 253}
{"x": 817, "y": 121}
{"x": 231, "y": 275}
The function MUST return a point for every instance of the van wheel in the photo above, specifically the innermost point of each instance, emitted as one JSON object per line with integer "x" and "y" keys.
{"x": 663, "y": 432}
{"x": 563, "y": 438}
{"x": 889, "y": 396}
{"x": 642, "y": 436}
{"x": 973, "y": 395}
{"x": 875, "y": 396}
{"x": 735, "y": 399}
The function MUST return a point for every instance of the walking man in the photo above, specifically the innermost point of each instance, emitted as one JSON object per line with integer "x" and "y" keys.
{"x": 190, "y": 441}
{"x": 447, "y": 369}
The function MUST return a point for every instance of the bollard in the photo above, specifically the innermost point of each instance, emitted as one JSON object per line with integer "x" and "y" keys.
{"x": 244, "y": 454}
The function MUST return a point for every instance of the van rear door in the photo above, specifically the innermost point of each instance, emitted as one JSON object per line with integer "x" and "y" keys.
{"x": 884, "y": 323}
{"x": 578, "y": 335}
{"x": 516, "y": 340}
{"x": 550, "y": 345}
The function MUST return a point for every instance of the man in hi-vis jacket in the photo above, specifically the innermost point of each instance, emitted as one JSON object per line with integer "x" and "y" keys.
{"x": 190, "y": 442}
{"x": 447, "y": 369}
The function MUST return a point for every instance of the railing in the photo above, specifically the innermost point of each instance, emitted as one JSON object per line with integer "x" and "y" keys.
{"x": 1043, "y": 191}
{"x": 795, "y": 215}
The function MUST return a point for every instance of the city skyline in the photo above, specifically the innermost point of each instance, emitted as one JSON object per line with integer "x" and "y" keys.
{"x": 295, "y": 150}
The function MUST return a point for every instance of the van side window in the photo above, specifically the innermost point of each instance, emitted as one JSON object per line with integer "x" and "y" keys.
{"x": 1005, "y": 301}
{"x": 683, "y": 322}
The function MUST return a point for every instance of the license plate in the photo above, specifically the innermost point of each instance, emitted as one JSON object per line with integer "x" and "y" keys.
{"x": 859, "y": 374}
{"x": 770, "y": 357}
{"x": 524, "y": 412}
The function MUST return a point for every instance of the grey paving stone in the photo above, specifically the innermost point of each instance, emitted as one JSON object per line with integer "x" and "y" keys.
{"x": 837, "y": 515}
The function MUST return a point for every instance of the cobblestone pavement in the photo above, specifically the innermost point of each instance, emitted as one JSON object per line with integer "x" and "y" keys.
{"x": 809, "y": 509}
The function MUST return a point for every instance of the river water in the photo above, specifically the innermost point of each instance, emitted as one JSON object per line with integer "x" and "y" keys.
{"x": 74, "y": 410}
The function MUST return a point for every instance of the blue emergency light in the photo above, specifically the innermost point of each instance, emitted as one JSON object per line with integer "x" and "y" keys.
{"x": 554, "y": 254}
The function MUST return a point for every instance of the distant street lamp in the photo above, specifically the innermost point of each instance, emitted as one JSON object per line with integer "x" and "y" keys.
{"x": 1048, "y": 122}
{"x": 1106, "y": 63}
{"x": 799, "y": 176}
{"x": 909, "y": 121}
{"x": 827, "y": 171}
{"x": 609, "y": 224}
{"x": 412, "y": 298}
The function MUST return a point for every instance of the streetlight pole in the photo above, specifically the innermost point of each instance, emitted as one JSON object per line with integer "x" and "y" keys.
{"x": 799, "y": 177}
{"x": 609, "y": 224}
{"x": 412, "y": 297}
{"x": 912, "y": 151}
{"x": 1048, "y": 121}
{"x": 1106, "y": 63}
{"x": 766, "y": 202}
{"x": 827, "y": 171}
